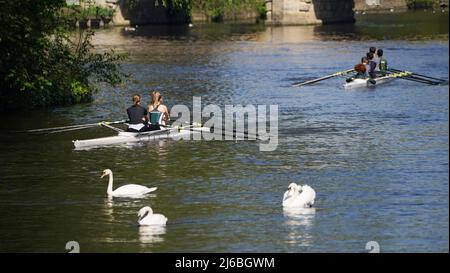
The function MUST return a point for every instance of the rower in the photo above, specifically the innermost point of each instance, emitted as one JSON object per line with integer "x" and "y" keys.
{"x": 158, "y": 113}
{"x": 365, "y": 62}
{"x": 137, "y": 116}
{"x": 376, "y": 58}
{"x": 383, "y": 64}
{"x": 371, "y": 65}
{"x": 360, "y": 71}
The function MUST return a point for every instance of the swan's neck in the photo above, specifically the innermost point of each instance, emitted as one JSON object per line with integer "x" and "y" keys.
{"x": 147, "y": 214}
{"x": 295, "y": 193}
{"x": 109, "y": 191}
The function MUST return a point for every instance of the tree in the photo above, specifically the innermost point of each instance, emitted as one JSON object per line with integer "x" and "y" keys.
{"x": 43, "y": 63}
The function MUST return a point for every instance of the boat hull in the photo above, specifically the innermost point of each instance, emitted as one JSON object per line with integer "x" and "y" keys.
{"x": 364, "y": 83}
{"x": 127, "y": 137}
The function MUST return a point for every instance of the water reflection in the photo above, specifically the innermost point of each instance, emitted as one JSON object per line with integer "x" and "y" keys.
{"x": 300, "y": 222}
{"x": 108, "y": 210}
{"x": 287, "y": 34}
{"x": 159, "y": 153}
{"x": 151, "y": 234}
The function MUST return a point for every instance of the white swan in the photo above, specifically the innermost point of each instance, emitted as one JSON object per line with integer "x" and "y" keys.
{"x": 130, "y": 190}
{"x": 299, "y": 196}
{"x": 148, "y": 218}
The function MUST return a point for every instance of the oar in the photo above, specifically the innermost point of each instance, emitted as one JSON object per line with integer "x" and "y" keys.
{"x": 107, "y": 125}
{"x": 419, "y": 80}
{"x": 224, "y": 133}
{"x": 425, "y": 77}
{"x": 412, "y": 78}
{"x": 73, "y": 127}
{"x": 323, "y": 78}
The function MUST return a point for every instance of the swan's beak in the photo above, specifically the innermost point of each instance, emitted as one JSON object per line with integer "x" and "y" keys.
{"x": 103, "y": 175}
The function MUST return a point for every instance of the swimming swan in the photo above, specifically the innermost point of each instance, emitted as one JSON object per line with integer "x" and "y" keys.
{"x": 147, "y": 218}
{"x": 130, "y": 190}
{"x": 299, "y": 196}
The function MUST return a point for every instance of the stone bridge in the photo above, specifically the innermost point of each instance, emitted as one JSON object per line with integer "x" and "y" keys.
{"x": 304, "y": 12}
{"x": 280, "y": 12}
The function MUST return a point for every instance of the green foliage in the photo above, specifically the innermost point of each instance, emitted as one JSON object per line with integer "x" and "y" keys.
{"x": 44, "y": 64}
{"x": 173, "y": 6}
{"x": 214, "y": 9}
{"x": 87, "y": 11}
{"x": 261, "y": 8}
{"x": 97, "y": 12}
{"x": 217, "y": 9}
{"x": 420, "y": 4}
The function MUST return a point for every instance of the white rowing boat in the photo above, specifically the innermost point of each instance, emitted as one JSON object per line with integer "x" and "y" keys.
{"x": 363, "y": 83}
{"x": 127, "y": 137}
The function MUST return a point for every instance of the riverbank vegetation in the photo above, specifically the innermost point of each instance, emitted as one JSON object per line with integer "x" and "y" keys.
{"x": 219, "y": 10}
{"x": 85, "y": 11}
{"x": 422, "y": 4}
{"x": 212, "y": 10}
{"x": 43, "y": 62}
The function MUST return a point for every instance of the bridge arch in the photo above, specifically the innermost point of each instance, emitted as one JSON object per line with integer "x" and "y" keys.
{"x": 304, "y": 12}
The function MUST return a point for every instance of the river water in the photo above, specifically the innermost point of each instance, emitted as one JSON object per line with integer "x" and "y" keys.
{"x": 377, "y": 158}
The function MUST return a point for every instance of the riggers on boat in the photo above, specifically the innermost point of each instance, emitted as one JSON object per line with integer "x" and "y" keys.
{"x": 369, "y": 82}
{"x": 127, "y": 137}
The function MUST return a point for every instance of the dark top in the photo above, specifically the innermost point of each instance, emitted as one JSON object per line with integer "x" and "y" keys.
{"x": 136, "y": 113}
{"x": 372, "y": 67}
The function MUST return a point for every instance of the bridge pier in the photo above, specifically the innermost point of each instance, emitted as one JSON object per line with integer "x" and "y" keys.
{"x": 309, "y": 12}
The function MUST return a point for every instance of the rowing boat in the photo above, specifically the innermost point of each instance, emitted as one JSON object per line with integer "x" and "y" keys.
{"x": 128, "y": 137}
{"x": 361, "y": 83}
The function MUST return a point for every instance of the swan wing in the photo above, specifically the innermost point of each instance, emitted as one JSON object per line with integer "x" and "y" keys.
{"x": 307, "y": 197}
{"x": 154, "y": 220}
{"x": 132, "y": 189}
{"x": 310, "y": 194}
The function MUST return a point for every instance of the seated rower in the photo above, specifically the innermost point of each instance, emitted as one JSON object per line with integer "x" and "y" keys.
{"x": 365, "y": 62}
{"x": 137, "y": 116}
{"x": 371, "y": 65}
{"x": 360, "y": 70}
{"x": 158, "y": 113}
{"x": 383, "y": 64}
{"x": 376, "y": 58}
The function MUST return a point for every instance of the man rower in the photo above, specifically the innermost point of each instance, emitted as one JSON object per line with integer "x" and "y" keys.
{"x": 382, "y": 63}
{"x": 376, "y": 58}
{"x": 371, "y": 65}
{"x": 137, "y": 116}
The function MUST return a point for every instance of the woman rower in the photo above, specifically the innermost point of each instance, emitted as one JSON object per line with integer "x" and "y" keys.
{"x": 137, "y": 116}
{"x": 158, "y": 113}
